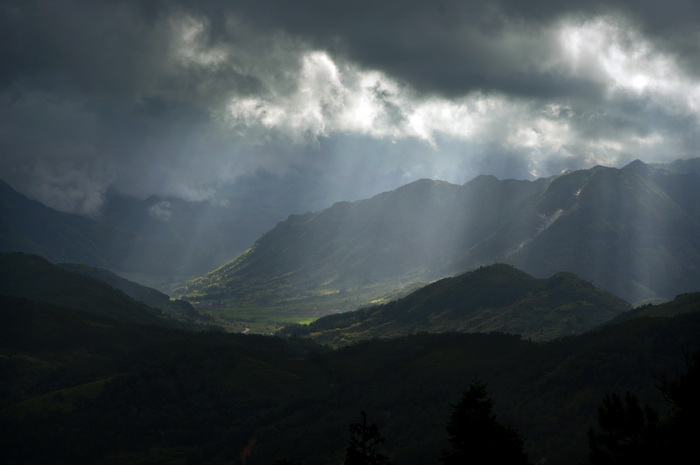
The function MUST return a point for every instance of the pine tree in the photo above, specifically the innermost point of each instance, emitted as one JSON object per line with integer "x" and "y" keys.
{"x": 363, "y": 442}
{"x": 628, "y": 433}
{"x": 477, "y": 436}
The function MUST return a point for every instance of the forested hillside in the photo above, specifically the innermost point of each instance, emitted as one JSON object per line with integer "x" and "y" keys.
{"x": 493, "y": 298}
{"x": 80, "y": 388}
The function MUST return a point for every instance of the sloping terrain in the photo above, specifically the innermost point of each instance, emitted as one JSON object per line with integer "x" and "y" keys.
{"x": 633, "y": 231}
{"x": 32, "y": 277}
{"x": 494, "y": 298}
{"x": 178, "y": 309}
{"x": 80, "y": 388}
{"x": 156, "y": 239}
{"x": 626, "y": 230}
{"x": 31, "y": 227}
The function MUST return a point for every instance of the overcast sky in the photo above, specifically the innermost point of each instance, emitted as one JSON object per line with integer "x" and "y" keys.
{"x": 185, "y": 98}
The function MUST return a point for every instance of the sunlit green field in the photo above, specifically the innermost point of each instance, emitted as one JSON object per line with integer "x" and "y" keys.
{"x": 261, "y": 319}
{"x": 235, "y": 316}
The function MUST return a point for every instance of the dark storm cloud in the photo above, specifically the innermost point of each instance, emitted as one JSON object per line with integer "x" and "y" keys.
{"x": 456, "y": 46}
{"x": 448, "y": 46}
{"x": 96, "y": 94}
{"x": 178, "y": 97}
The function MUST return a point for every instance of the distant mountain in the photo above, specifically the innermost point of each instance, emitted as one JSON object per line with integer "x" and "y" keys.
{"x": 199, "y": 235}
{"x": 32, "y": 277}
{"x": 633, "y": 231}
{"x": 31, "y": 227}
{"x": 493, "y": 298}
{"x": 418, "y": 232}
{"x": 156, "y": 239}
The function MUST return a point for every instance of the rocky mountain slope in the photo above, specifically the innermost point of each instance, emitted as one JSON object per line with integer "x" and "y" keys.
{"x": 633, "y": 231}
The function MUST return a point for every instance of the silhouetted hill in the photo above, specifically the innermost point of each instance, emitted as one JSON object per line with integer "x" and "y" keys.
{"x": 31, "y": 227}
{"x": 493, "y": 298}
{"x": 178, "y": 309}
{"x": 684, "y": 303}
{"x": 32, "y": 277}
{"x": 633, "y": 231}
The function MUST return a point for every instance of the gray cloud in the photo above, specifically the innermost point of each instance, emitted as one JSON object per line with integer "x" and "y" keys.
{"x": 182, "y": 98}
{"x": 456, "y": 46}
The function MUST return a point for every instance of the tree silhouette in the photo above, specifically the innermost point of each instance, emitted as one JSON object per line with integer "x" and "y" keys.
{"x": 476, "y": 434}
{"x": 683, "y": 418}
{"x": 363, "y": 442}
{"x": 629, "y": 433}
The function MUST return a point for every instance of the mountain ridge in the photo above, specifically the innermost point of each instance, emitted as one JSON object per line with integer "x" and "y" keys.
{"x": 633, "y": 231}
{"x": 494, "y": 298}
{"x": 153, "y": 298}
{"x": 30, "y": 276}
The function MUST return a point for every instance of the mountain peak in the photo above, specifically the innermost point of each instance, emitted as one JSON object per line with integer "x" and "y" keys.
{"x": 482, "y": 179}
{"x": 638, "y": 166}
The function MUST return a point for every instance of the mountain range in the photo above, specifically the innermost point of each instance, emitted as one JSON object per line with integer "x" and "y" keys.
{"x": 634, "y": 232}
{"x": 98, "y": 369}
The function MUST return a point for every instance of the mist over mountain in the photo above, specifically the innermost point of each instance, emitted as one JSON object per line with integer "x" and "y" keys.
{"x": 633, "y": 231}
{"x": 157, "y": 239}
{"x": 29, "y": 226}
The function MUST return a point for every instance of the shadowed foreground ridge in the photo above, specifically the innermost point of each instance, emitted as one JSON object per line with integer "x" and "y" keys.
{"x": 79, "y": 388}
{"x": 492, "y": 298}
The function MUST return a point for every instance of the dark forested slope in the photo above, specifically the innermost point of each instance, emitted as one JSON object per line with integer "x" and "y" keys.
{"x": 32, "y": 277}
{"x": 493, "y": 298}
{"x": 79, "y": 388}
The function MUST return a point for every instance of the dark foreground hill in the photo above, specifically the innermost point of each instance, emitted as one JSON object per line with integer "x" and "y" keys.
{"x": 80, "y": 388}
{"x": 493, "y": 298}
{"x": 633, "y": 231}
{"x": 31, "y": 227}
{"x": 178, "y": 309}
{"x": 32, "y": 277}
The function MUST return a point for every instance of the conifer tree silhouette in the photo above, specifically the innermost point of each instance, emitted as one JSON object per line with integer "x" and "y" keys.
{"x": 363, "y": 442}
{"x": 476, "y": 434}
{"x": 629, "y": 433}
